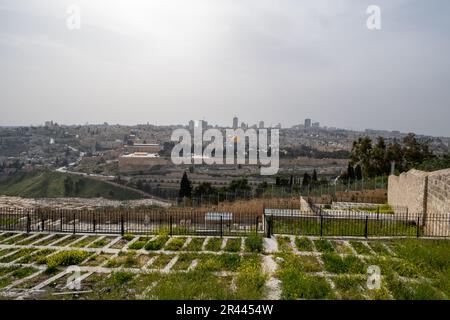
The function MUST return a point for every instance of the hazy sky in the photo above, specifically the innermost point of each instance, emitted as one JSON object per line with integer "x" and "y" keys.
{"x": 168, "y": 61}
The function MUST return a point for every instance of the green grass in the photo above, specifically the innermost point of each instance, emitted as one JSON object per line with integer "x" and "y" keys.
{"x": 84, "y": 242}
{"x": 157, "y": 243}
{"x": 13, "y": 240}
{"x": 66, "y": 258}
{"x": 302, "y": 286}
{"x": 139, "y": 244}
{"x": 194, "y": 285}
{"x": 379, "y": 248}
{"x": 48, "y": 184}
{"x": 233, "y": 245}
{"x": 341, "y": 247}
{"x": 349, "y": 264}
{"x": 220, "y": 262}
{"x": 303, "y": 244}
{"x": 21, "y": 253}
{"x": 100, "y": 243}
{"x": 213, "y": 244}
{"x": 402, "y": 290}
{"x": 184, "y": 261}
{"x": 284, "y": 244}
{"x": 344, "y": 227}
{"x": 323, "y": 245}
{"x": 97, "y": 259}
{"x": 250, "y": 281}
{"x": 124, "y": 259}
{"x": 51, "y": 239}
{"x": 15, "y": 275}
{"x": 161, "y": 261}
{"x": 300, "y": 263}
{"x": 350, "y": 288}
{"x": 195, "y": 244}
{"x": 382, "y": 209}
{"x": 175, "y": 244}
{"x": 32, "y": 239}
{"x": 254, "y": 243}
{"x": 360, "y": 248}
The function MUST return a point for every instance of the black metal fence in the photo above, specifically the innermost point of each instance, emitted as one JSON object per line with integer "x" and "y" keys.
{"x": 136, "y": 221}
{"x": 271, "y": 221}
{"x": 358, "y": 224}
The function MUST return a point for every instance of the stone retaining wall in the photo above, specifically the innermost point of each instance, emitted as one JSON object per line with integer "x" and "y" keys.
{"x": 426, "y": 194}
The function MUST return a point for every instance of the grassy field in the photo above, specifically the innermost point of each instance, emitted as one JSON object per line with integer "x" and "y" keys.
{"x": 46, "y": 184}
{"x": 223, "y": 268}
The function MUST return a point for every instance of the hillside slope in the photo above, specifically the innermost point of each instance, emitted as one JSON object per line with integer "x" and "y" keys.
{"x": 46, "y": 184}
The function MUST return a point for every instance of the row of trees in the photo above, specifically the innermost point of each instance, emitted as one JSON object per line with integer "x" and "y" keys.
{"x": 242, "y": 185}
{"x": 370, "y": 159}
{"x": 205, "y": 188}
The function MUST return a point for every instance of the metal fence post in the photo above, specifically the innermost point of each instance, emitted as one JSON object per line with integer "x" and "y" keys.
{"x": 256, "y": 224}
{"x": 74, "y": 225}
{"x": 28, "y": 223}
{"x": 61, "y": 221}
{"x": 418, "y": 227}
{"x": 122, "y": 225}
{"x": 93, "y": 221}
{"x": 321, "y": 225}
{"x": 170, "y": 221}
{"x": 366, "y": 227}
{"x": 221, "y": 226}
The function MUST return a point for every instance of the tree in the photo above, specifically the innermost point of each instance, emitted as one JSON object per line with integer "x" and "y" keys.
{"x": 379, "y": 164}
{"x": 185, "y": 187}
{"x": 358, "y": 172}
{"x": 306, "y": 180}
{"x": 68, "y": 186}
{"x": 414, "y": 152}
{"x": 204, "y": 189}
{"x": 314, "y": 177}
{"x": 351, "y": 173}
{"x": 394, "y": 154}
{"x": 239, "y": 185}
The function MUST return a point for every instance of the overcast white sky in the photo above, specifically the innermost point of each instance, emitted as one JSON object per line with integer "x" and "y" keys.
{"x": 168, "y": 61}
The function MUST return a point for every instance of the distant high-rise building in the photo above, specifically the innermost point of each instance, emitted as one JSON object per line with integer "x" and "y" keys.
{"x": 243, "y": 125}
{"x": 307, "y": 123}
{"x": 201, "y": 124}
{"x": 316, "y": 125}
{"x": 261, "y": 124}
{"x": 191, "y": 125}
{"x": 235, "y": 123}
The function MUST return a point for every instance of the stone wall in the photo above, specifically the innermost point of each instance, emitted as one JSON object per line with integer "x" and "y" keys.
{"x": 426, "y": 194}
{"x": 407, "y": 191}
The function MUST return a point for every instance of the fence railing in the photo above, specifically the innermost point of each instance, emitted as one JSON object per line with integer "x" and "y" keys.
{"x": 358, "y": 224}
{"x": 284, "y": 220}
{"x": 136, "y": 221}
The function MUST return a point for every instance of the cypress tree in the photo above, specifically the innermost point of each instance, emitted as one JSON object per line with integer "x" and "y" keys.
{"x": 185, "y": 187}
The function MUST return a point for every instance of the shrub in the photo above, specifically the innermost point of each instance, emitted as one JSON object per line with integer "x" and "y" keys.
{"x": 233, "y": 245}
{"x": 228, "y": 262}
{"x": 157, "y": 243}
{"x": 66, "y": 258}
{"x": 137, "y": 245}
{"x": 360, "y": 248}
{"x": 349, "y": 264}
{"x": 175, "y": 244}
{"x": 254, "y": 243}
{"x": 213, "y": 244}
{"x": 303, "y": 244}
{"x": 127, "y": 237}
{"x": 324, "y": 245}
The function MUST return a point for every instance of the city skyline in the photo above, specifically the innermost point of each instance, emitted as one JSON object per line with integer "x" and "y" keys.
{"x": 170, "y": 61}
